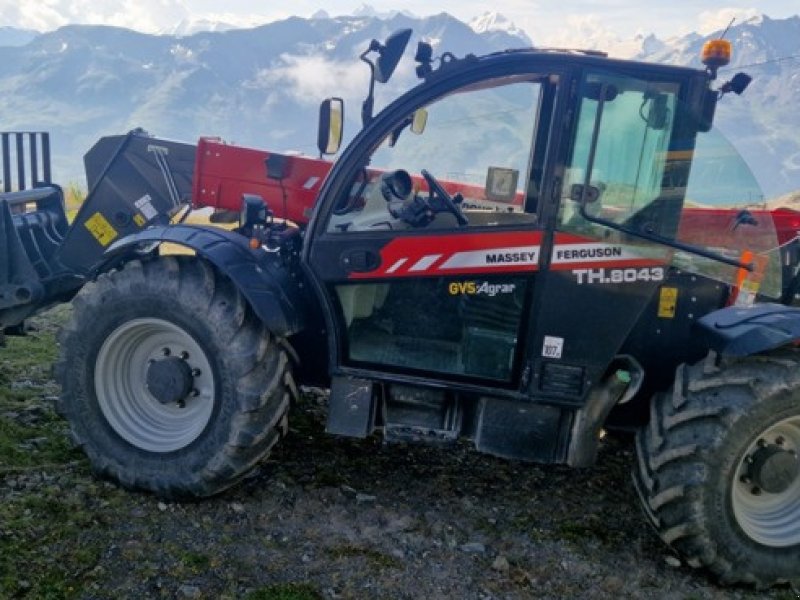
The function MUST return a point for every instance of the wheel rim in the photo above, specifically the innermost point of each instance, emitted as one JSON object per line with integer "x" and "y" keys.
{"x": 134, "y": 413}
{"x": 771, "y": 518}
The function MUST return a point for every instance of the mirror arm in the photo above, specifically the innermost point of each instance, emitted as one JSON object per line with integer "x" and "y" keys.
{"x": 369, "y": 103}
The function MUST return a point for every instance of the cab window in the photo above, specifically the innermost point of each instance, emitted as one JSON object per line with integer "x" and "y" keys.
{"x": 619, "y": 156}
{"x": 475, "y": 148}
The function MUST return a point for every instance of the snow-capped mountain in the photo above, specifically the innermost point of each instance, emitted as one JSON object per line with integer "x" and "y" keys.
{"x": 498, "y": 27}
{"x": 262, "y": 86}
{"x": 187, "y": 27}
{"x": 258, "y": 87}
{"x": 367, "y": 10}
{"x": 494, "y": 21}
{"x": 763, "y": 123}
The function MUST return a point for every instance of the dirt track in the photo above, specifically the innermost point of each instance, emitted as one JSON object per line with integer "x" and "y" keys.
{"x": 325, "y": 517}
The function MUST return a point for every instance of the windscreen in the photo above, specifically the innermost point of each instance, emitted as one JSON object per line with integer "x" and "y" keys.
{"x": 725, "y": 211}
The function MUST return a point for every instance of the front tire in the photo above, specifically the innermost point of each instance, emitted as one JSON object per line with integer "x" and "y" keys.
{"x": 718, "y": 470}
{"x": 169, "y": 381}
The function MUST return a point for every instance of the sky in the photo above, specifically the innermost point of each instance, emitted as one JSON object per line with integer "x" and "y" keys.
{"x": 547, "y": 22}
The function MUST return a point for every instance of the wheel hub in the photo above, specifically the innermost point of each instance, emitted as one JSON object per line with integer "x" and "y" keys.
{"x": 169, "y": 379}
{"x": 774, "y": 469}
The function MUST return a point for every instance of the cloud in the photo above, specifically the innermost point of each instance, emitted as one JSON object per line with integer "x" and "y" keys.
{"x": 710, "y": 21}
{"x": 45, "y": 15}
{"x": 310, "y": 78}
{"x": 591, "y": 32}
{"x": 41, "y": 15}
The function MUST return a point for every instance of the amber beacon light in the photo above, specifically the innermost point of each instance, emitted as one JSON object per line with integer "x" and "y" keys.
{"x": 717, "y": 53}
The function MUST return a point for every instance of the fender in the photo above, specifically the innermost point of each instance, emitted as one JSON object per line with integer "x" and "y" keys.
{"x": 262, "y": 277}
{"x": 742, "y": 331}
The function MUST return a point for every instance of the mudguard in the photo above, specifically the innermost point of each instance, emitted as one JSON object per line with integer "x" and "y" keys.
{"x": 742, "y": 331}
{"x": 263, "y": 279}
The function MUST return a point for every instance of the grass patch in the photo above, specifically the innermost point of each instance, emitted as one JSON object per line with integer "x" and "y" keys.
{"x": 375, "y": 559}
{"x": 47, "y": 549}
{"x": 285, "y": 591}
{"x": 195, "y": 562}
{"x": 48, "y": 545}
{"x": 44, "y": 444}
{"x": 31, "y": 434}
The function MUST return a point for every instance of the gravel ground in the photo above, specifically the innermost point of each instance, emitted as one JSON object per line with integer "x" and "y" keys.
{"x": 324, "y": 517}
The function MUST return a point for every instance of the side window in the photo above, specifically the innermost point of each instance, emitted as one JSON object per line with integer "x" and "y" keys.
{"x": 476, "y": 145}
{"x": 631, "y": 122}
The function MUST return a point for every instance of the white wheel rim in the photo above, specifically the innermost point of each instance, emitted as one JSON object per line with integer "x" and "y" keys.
{"x": 120, "y": 384}
{"x": 771, "y": 519}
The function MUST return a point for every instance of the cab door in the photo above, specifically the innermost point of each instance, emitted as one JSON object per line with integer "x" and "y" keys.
{"x": 429, "y": 249}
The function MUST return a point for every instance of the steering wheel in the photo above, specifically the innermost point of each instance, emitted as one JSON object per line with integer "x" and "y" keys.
{"x": 436, "y": 189}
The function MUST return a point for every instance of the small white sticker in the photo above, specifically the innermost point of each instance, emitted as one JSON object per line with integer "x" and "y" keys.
{"x": 312, "y": 181}
{"x": 553, "y": 347}
{"x": 145, "y": 206}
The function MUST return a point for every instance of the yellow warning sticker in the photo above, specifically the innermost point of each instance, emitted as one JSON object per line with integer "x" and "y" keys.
{"x": 101, "y": 229}
{"x": 139, "y": 220}
{"x": 667, "y": 302}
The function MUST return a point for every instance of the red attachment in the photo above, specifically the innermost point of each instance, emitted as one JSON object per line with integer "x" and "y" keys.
{"x": 714, "y": 227}
{"x": 787, "y": 224}
{"x": 222, "y": 173}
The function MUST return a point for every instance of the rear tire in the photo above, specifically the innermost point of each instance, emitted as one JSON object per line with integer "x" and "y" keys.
{"x": 711, "y": 447}
{"x": 219, "y": 402}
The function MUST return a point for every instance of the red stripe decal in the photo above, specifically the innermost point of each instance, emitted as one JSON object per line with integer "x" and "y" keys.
{"x": 457, "y": 254}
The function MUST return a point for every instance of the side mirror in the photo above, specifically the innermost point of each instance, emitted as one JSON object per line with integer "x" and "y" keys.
{"x": 331, "y": 126}
{"x": 737, "y": 85}
{"x": 390, "y": 53}
{"x": 419, "y": 121}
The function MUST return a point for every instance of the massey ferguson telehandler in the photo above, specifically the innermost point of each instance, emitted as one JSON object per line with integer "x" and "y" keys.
{"x": 523, "y": 250}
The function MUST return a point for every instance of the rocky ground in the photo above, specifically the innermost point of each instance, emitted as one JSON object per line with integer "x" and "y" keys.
{"x": 325, "y": 517}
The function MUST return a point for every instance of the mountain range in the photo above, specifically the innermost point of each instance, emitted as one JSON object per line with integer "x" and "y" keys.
{"x": 764, "y": 122}
{"x": 262, "y": 86}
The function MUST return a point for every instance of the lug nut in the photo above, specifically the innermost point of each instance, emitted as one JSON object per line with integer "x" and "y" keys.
{"x": 762, "y": 443}
{"x": 195, "y": 393}
{"x": 756, "y": 491}
{"x": 166, "y": 351}
{"x": 184, "y": 355}
{"x": 196, "y": 373}
{"x": 181, "y": 404}
{"x": 780, "y": 440}
{"x": 745, "y": 479}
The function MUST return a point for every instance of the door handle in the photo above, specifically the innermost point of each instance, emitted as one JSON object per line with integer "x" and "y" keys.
{"x": 360, "y": 261}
